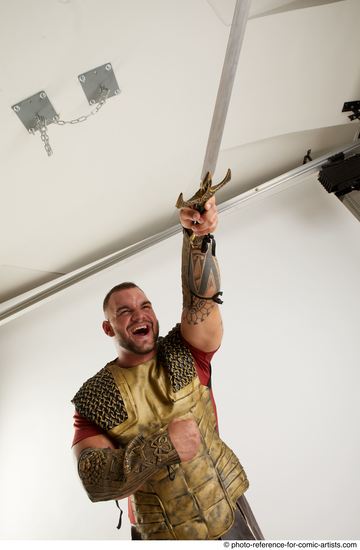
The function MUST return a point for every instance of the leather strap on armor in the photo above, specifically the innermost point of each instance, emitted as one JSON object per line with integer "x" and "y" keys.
{"x": 115, "y": 473}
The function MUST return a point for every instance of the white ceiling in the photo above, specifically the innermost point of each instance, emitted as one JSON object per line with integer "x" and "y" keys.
{"x": 114, "y": 179}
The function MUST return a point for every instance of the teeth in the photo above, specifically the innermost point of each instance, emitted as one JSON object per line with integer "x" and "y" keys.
{"x": 140, "y": 327}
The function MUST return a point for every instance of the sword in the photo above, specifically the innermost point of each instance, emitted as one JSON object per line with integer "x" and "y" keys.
{"x": 236, "y": 36}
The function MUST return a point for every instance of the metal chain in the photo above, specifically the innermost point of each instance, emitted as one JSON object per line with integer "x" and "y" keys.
{"x": 41, "y": 126}
{"x": 101, "y": 103}
{"x": 41, "y": 123}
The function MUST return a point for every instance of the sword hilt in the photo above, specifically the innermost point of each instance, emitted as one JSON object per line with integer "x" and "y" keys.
{"x": 205, "y": 192}
{"x": 199, "y": 208}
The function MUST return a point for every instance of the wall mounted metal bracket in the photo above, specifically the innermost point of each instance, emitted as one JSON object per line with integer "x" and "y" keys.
{"x": 30, "y": 109}
{"x": 36, "y": 112}
{"x": 353, "y": 106}
{"x": 95, "y": 81}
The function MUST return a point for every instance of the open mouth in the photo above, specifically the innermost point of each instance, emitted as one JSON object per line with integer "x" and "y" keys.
{"x": 141, "y": 330}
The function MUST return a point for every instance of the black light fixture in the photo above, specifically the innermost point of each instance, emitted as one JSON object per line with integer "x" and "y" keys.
{"x": 354, "y": 107}
{"x": 341, "y": 175}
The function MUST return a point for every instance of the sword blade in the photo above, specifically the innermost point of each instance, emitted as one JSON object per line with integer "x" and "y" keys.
{"x": 235, "y": 41}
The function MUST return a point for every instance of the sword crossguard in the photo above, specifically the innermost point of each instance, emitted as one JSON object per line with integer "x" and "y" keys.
{"x": 206, "y": 191}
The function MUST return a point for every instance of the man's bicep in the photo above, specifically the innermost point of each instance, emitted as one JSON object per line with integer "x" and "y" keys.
{"x": 205, "y": 335}
{"x": 94, "y": 442}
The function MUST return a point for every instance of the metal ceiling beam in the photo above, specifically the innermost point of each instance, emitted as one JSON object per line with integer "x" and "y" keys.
{"x": 25, "y": 302}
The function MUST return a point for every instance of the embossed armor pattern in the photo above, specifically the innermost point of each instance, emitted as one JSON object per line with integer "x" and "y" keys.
{"x": 198, "y": 503}
{"x": 114, "y": 473}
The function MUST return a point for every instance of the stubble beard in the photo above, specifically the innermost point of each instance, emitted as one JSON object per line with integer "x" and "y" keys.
{"x": 129, "y": 345}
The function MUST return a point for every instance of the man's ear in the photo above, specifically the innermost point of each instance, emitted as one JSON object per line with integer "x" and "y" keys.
{"x": 107, "y": 328}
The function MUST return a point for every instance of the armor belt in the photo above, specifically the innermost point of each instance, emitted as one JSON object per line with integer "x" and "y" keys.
{"x": 199, "y": 503}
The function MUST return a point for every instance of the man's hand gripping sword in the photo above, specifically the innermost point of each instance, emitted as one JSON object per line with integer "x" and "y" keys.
{"x": 206, "y": 191}
{"x": 200, "y": 270}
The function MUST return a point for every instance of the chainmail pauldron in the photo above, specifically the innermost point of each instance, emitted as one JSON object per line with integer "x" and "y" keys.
{"x": 176, "y": 356}
{"x": 99, "y": 400}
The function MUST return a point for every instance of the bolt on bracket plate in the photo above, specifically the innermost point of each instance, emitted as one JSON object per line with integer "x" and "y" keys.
{"x": 93, "y": 82}
{"x": 29, "y": 108}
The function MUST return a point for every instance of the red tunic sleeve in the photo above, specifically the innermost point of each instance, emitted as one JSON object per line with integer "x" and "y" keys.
{"x": 84, "y": 428}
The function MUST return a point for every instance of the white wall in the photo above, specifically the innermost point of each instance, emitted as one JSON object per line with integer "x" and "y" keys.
{"x": 286, "y": 379}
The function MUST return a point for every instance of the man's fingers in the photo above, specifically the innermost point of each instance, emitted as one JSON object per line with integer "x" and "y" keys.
{"x": 190, "y": 225}
{"x": 189, "y": 213}
{"x": 200, "y": 224}
{"x": 190, "y": 218}
{"x": 185, "y": 436}
{"x": 210, "y": 203}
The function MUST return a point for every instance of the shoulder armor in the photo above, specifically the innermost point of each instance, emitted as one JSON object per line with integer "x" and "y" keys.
{"x": 177, "y": 358}
{"x": 99, "y": 400}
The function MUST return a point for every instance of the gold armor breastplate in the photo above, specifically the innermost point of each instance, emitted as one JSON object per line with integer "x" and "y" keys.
{"x": 198, "y": 504}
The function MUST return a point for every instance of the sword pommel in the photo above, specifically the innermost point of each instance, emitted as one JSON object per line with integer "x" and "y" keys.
{"x": 206, "y": 191}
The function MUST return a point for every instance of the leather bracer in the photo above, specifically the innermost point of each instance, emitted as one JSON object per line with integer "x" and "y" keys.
{"x": 200, "y": 277}
{"x": 115, "y": 473}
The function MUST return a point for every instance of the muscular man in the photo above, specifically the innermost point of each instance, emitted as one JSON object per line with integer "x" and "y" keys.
{"x": 146, "y": 423}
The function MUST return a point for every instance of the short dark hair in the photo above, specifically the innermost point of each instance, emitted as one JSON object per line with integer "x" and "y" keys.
{"x": 121, "y": 286}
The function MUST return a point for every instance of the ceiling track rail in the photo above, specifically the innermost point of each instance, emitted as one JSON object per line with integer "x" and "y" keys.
{"x": 29, "y": 300}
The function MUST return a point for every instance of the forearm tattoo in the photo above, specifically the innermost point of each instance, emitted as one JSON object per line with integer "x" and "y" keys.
{"x": 200, "y": 278}
{"x": 115, "y": 473}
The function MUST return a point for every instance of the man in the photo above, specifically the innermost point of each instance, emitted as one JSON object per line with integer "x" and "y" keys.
{"x": 146, "y": 423}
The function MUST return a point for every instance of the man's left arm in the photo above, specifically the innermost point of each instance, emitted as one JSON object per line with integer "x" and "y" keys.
{"x": 201, "y": 323}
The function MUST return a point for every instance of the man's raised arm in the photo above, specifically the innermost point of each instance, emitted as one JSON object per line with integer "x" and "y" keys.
{"x": 201, "y": 323}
